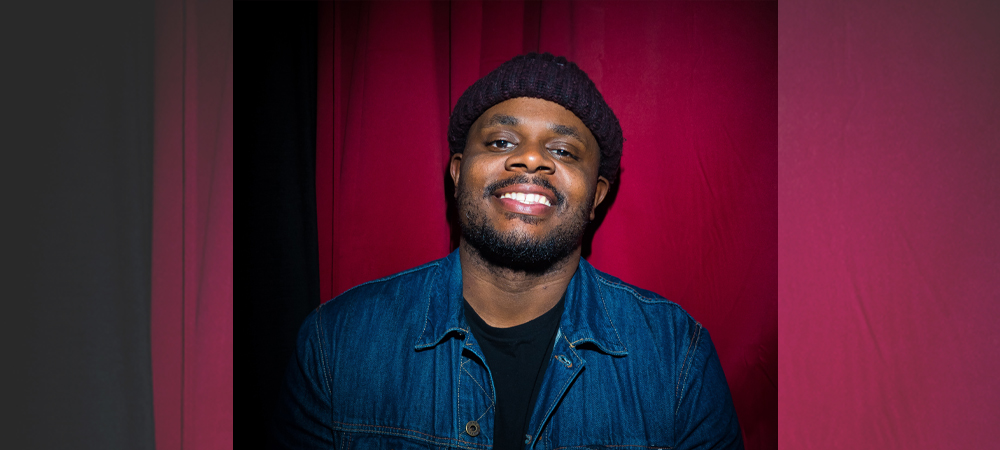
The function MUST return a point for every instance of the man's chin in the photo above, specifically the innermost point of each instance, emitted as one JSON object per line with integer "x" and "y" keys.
{"x": 517, "y": 253}
{"x": 522, "y": 244}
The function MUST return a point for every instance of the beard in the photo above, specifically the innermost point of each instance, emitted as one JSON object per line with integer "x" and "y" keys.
{"x": 516, "y": 250}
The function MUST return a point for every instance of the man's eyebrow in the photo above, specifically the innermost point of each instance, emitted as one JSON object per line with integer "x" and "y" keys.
{"x": 501, "y": 119}
{"x": 566, "y": 130}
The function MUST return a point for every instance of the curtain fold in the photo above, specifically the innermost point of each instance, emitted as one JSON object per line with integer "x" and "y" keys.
{"x": 192, "y": 285}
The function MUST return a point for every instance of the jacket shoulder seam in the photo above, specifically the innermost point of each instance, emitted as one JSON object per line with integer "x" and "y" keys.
{"x": 634, "y": 292}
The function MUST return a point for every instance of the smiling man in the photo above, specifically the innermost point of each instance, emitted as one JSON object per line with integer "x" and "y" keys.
{"x": 513, "y": 341}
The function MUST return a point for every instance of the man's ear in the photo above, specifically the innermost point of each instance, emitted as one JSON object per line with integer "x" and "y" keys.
{"x": 455, "y": 169}
{"x": 603, "y": 185}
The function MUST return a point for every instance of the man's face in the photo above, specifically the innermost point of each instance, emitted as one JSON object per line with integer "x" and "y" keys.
{"x": 527, "y": 184}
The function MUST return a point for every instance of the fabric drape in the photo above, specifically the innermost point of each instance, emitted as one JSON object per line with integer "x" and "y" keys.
{"x": 890, "y": 225}
{"x": 192, "y": 284}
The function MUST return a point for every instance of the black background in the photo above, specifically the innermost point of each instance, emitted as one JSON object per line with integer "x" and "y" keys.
{"x": 278, "y": 249}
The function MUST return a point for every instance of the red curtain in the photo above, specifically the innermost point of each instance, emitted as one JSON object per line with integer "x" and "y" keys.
{"x": 890, "y": 224}
{"x": 694, "y": 86}
{"x": 192, "y": 309}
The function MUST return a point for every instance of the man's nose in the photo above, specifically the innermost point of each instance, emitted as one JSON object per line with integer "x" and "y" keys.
{"x": 530, "y": 157}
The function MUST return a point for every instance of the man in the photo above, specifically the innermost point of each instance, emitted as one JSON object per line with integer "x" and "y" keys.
{"x": 512, "y": 341}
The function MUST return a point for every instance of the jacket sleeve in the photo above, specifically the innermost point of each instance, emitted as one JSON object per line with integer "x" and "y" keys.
{"x": 302, "y": 416}
{"x": 705, "y": 416}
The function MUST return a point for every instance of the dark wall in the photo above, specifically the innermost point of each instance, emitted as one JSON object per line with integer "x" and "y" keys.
{"x": 75, "y": 224}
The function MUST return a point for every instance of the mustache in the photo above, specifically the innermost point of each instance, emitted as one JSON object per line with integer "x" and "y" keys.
{"x": 524, "y": 179}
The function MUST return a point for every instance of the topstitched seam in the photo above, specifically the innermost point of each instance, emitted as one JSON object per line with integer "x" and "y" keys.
{"x": 349, "y": 427}
{"x": 322, "y": 355}
{"x": 608, "y": 315}
{"x": 458, "y": 392}
{"x": 635, "y": 293}
{"x": 427, "y": 312}
{"x": 680, "y": 373}
{"x": 478, "y": 383}
{"x": 427, "y": 315}
{"x": 688, "y": 370}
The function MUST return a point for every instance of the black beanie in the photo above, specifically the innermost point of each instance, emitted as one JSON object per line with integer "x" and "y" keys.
{"x": 549, "y": 78}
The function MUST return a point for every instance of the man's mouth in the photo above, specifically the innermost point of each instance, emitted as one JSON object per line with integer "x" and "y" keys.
{"x": 524, "y": 189}
{"x": 527, "y": 198}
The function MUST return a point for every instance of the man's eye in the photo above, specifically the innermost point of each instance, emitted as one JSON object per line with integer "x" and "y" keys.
{"x": 500, "y": 143}
{"x": 563, "y": 153}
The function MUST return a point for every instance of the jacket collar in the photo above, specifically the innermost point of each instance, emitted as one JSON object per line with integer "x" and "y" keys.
{"x": 588, "y": 318}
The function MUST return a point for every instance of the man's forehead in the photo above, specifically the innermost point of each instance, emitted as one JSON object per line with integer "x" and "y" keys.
{"x": 500, "y": 119}
{"x": 514, "y": 112}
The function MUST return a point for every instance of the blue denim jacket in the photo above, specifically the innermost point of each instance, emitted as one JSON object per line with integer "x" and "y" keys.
{"x": 392, "y": 364}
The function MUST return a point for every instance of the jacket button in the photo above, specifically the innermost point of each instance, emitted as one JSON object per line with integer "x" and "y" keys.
{"x": 472, "y": 428}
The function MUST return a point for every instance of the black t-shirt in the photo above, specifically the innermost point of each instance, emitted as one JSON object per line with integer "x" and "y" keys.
{"x": 517, "y": 358}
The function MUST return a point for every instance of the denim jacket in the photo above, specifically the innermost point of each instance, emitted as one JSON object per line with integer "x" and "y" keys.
{"x": 392, "y": 364}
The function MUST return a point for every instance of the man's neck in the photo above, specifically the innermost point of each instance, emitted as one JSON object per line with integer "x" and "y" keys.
{"x": 503, "y": 297}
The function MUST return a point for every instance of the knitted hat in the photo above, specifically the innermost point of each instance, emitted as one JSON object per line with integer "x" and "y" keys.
{"x": 549, "y": 78}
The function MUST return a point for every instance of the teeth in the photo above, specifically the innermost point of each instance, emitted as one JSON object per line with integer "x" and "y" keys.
{"x": 528, "y": 199}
